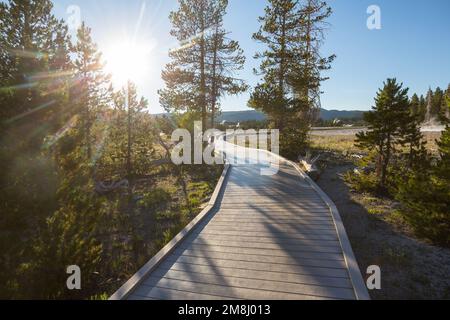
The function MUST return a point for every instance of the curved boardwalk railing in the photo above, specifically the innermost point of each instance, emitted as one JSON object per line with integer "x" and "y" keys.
{"x": 261, "y": 237}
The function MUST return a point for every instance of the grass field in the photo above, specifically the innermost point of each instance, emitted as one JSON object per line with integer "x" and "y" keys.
{"x": 343, "y": 140}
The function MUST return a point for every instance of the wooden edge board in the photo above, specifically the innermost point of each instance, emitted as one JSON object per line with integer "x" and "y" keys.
{"x": 125, "y": 290}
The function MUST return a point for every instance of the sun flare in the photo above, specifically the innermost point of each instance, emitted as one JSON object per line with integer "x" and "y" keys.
{"x": 127, "y": 61}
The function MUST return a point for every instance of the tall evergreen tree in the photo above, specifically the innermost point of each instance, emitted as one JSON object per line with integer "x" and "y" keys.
{"x": 202, "y": 67}
{"x": 185, "y": 76}
{"x": 445, "y": 110}
{"x": 133, "y": 144}
{"x": 385, "y": 123}
{"x": 224, "y": 57}
{"x": 33, "y": 91}
{"x": 291, "y": 67}
{"x": 92, "y": 91}
{"x": 425, "y": 196}
{"x": 415, "y": 104}
{"x": 437, "y": 102}
{"x": 34, "y": 47}
{"x": 422, "y": 108}
{"x": 411, "y": 137}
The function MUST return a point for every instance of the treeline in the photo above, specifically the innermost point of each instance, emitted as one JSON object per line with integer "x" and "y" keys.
{"x": 402, "y": 166}
{"x": 64, "y": 135}
{"x": 431, "y": 108}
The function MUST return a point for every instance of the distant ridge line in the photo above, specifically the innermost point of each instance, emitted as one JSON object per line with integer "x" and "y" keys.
{"x": 253, "y": 115}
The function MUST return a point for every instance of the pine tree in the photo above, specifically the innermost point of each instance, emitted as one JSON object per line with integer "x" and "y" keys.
{"x": 185, "y": 76}
{"x": 92, "y": 91}
{"x": 134, "y": 144}
{"x": 225, "y": 57}
{"x": 422, "y": 108}
{"x": 33, "y": 91}
{"x": 445, "y": 113}
{"x": 425, "y": 196}
{"x": 415, "y": 104}
{"x": 444, "y": 150}
{"x": 202, "y": 67}
{"x": 411, "y": 137}
{"x": 308, "y": 77}
{"x": 71, "y": 235}
{"x": 385, "y": 123}
{"x": 32, "y": 42}
{"x": 291, "y": 67}
{"x": 437, "y": 101}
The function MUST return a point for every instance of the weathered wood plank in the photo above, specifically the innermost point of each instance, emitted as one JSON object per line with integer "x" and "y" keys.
{"x": 273, "y": 229}
{"x": 321, "y": 290}
{"x": 257, "y": 275}
{"x": 263, "y": 259}
{"x": 219, "y": 290}
{"x": 260, "y": 266}
{"x": 267, "y": 239}
{"x": 264, "y": 219}
{"x": 321, "y": 225}
{"x": 157, "y": 293}
{"x": 274, "y": 212}
{"x": 257, "y": 235}
{"x": 265, "y": 252}
{"x": 319, "y": 247}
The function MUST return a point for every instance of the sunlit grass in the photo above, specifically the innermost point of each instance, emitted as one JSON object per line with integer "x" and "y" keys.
{"x": 347, "y": 143}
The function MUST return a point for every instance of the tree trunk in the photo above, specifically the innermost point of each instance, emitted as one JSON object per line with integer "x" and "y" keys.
{"x": 386, "y": 160}
{"x": 129, "y": 168}
{"x": 202, "y": 70}
{"x": 214, "y": 75}
{"x": 308, "y": 52}
{"x": 280, "y": 121}
{"x": 86, "y": 113}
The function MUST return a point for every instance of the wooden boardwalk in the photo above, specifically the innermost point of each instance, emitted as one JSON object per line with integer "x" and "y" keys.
{"x": 266, "y": 237}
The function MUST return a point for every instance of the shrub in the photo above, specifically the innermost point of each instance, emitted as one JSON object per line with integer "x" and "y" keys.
{"x": 426, "y": 201}
{"x": 362, "y": 182}
{"x": 154, "y": 199}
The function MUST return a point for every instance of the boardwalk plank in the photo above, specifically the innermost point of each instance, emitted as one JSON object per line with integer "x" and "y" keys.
{"x": 257, "y": 275}
{"x": 322, "y": 290}
{"x": 265, "y": 252}
{"x": 261, "y": 266}
{"x": 264, "y": 259}
{"x": 219, "y": 290}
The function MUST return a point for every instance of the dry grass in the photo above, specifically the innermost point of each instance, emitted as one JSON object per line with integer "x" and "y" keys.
{"x": 338, "y": 143}
{"x": 345, "y": 143}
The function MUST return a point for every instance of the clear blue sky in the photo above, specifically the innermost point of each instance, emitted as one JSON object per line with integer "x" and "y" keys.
{"x": 413, "y": 44}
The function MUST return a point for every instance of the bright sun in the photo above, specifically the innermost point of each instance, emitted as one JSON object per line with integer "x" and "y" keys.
{"x": 127, "y": 61}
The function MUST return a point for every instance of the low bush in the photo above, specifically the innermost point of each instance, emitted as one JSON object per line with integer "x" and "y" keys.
{"x": 362, "y": 182}
{"x": 154, "y": 199}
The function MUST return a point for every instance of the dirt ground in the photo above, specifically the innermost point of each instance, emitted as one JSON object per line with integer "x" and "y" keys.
{"x": 410, "y": 268}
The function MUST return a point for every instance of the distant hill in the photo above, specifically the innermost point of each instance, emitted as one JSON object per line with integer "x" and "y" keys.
{"x": 241, "y": 116}
{"x": 252, "y": 115}
{"x": 337, "y": 114}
